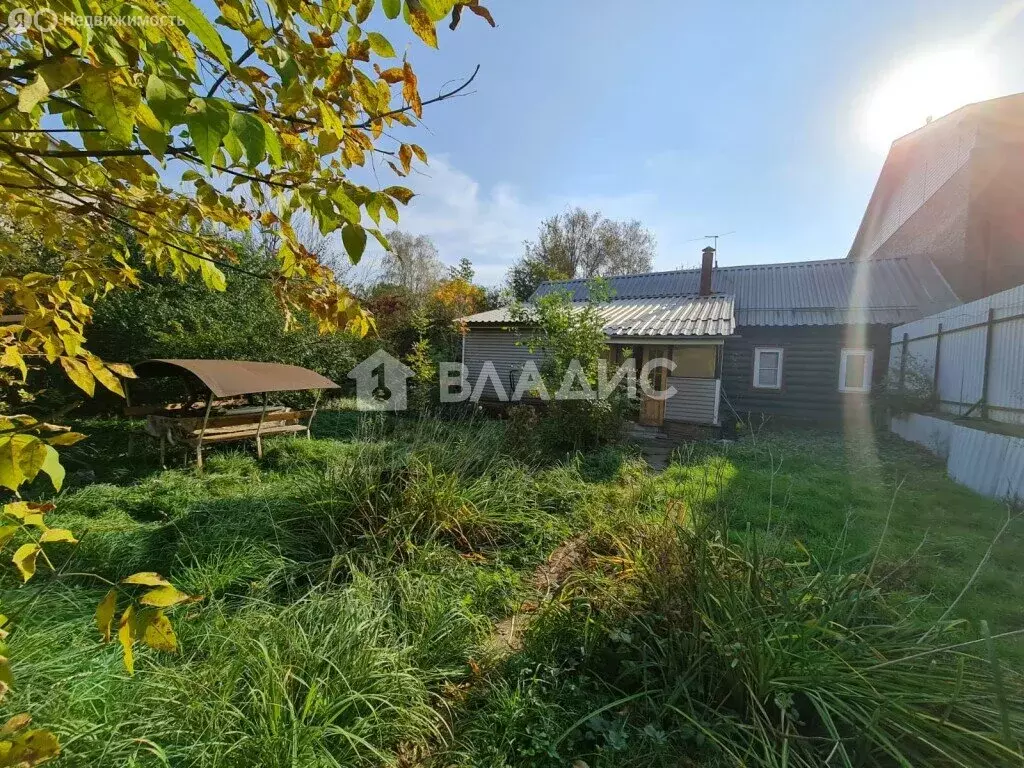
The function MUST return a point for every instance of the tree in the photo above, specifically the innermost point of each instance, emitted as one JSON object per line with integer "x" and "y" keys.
{"x": 571, "y": 340}
{"x": 139, "y": 143}
{"x": 462, "y": 271}
{"x": 579, "y": 244}
{"x": 526, "y": 274}
{"x": 412, "y": 262}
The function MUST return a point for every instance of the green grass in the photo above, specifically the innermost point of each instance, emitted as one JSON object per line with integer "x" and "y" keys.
{"x": 731, "y": 610}
{"x": 834, "y": 493}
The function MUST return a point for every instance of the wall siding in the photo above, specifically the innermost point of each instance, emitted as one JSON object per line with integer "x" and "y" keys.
{"x": 498, "y": 346}
{"x": 810, "y": 371}
{"x": 694, "y": 401}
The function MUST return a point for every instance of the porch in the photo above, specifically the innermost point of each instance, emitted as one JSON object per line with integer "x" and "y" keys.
{"x": 695, "y": 382}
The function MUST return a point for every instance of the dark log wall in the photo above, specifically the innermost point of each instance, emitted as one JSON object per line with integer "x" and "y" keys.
{"x": 810, "y": 371}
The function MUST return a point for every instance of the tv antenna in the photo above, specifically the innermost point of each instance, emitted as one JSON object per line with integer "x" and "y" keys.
{"x": 712, "y": 238}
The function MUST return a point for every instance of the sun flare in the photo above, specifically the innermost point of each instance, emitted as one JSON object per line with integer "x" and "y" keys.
{"x": 930, "y": 85}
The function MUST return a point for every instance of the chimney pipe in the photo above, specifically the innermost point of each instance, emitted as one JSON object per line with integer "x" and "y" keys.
{"x": 706, "y": 266}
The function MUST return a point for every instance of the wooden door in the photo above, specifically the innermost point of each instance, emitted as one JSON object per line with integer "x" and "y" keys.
{"x": 652, "y": 411}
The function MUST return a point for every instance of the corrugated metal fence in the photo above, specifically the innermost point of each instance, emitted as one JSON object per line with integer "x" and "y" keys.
{"x": 974, "y": 354}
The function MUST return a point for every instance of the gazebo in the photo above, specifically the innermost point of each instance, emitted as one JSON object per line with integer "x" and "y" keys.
{"x": 211, "y": 412}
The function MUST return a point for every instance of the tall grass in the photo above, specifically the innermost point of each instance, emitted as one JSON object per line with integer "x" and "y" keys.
{"x": 352, "y": 588}
{"x": 699, "y": 644}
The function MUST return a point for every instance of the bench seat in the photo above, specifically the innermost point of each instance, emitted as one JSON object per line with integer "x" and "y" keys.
{"x": 247, "y": 433}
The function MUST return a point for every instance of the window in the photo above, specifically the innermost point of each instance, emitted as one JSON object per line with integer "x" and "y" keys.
{"x": 768, "y": 367}
{"x": 695, "y": 362}
{"x": 855, "y": 370}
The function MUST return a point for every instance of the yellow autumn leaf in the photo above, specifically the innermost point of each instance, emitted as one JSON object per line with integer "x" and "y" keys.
{"x": 420, "y": 22}
{"x": 25, "y": 560}
{"x": 57, "y": 534}
{"x": 123, "y": 370}
{"x": 17, "y": 509}
{"x": 66, "y": 438}
{"x": 15, "y": 724}
{"x": 105, "y": 614}
{"x": 79, "y": 374}
{"x": 158, "y": 632}
{"x": 7, "y": 533}
{"x": 32, "y": 748}
{"x": 147, "y": 579}
{"x": 103, "y": 376}
{"x": 164, "y": 597}
{"x": 126, "y": 637}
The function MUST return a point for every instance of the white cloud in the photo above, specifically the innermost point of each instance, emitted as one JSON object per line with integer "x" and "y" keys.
{"x": 489, "y": 225}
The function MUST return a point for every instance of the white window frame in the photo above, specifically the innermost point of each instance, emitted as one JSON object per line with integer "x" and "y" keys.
{"x": 869, "y": 368}
{"x": 757, "y": 367}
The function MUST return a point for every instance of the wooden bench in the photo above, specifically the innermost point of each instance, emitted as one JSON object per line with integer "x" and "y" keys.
{"x": 250, "y": 423}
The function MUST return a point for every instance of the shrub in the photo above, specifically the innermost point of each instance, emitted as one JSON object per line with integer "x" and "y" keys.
{"x": 572, "y": 340}
{"x": 913, "y": 392}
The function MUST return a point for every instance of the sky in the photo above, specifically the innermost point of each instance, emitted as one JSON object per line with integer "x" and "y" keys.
{"x": 695, "y": 118}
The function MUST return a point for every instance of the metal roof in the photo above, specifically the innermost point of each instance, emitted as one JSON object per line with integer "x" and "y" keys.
{"x": 227, "y": 378}
{"x": 637, "y": 318}
{"x": 833, "y": 292}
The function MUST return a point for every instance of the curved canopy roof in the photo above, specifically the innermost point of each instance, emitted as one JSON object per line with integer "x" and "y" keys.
{"x": 227, "y": 378}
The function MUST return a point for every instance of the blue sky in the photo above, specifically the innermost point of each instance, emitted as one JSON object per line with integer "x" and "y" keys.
{"x": 693, "y": 117}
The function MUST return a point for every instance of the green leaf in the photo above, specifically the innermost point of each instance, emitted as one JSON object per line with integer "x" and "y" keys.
{"x": 213, "y": 277}
{"x": 234, "y": 147}
{"x": 392, "y": 8}
{"x": 380, "y": 45}
{"x": 208, "y": 125}
{"x": 197, "y": 23}
{"x": 32, "y": 94}
{"x": 166, "y": 99}
{"x": 349, "y": 210}
{"x": 112, "y": 100}
{"x": 155, "y": 141}
{"x": 251, "y": 133}
{"x": 354, "y": 238}
{"x": 273, "y": 144}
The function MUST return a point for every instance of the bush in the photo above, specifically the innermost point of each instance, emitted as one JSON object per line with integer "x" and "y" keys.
{"x": 916, "y": 393}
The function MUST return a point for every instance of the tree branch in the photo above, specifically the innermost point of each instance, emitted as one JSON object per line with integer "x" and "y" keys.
{"x": 440, "y": 97}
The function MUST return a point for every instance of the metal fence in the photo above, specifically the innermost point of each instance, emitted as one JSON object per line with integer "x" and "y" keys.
{"x": 974, "y": 354}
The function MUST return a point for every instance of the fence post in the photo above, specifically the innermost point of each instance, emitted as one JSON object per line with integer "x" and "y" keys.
{"x": 989, "y": 328}
{"x": 903, "y": 359}
{"x": 938, "y": 357}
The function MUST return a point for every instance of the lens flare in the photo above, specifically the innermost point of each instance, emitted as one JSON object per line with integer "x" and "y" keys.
{"x": 929, "y": 85}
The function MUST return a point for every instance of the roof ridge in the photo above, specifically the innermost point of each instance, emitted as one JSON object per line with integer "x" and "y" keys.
{"x": 770, "y": 265}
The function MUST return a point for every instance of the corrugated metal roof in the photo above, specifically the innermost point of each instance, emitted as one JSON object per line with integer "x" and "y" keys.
{"x": 834, "y": 292}
{"x": 666, "y": 316}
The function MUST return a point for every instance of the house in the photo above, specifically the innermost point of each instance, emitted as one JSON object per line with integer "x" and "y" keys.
{"x": 953, "y": 192}
{"x": 805, "y": 340}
